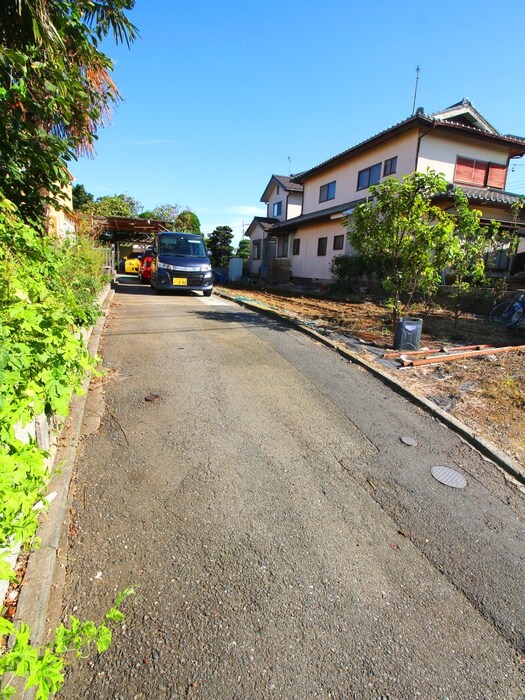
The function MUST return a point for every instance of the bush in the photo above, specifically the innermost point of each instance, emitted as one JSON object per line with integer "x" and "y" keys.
{"x": 48, "y": 291}
{"x": 351, "y": 272}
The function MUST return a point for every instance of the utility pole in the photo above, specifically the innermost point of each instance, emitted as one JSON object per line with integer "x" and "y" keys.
{"x": 289, "y": 165}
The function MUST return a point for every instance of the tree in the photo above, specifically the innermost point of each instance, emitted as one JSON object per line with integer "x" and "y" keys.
{"x": 405, "y": 233}
{"x": 188, "y": 221}
{"x": 55, "y": 91}
{"x": 166, "y": 212}
{"x": 468, "y": 249}
{"x": 115, "y": 205}
{"x": 219, "y": 244}
{"x": 243, "y": 250}
{"x": 81, "y": 198}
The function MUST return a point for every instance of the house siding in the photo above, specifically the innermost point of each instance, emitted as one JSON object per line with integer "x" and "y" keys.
{"x": 308, "y": 264}
{"x": 295, "y": 204}
{"x": 439, "y": 153}
{"x": 277, "y": 197}
{"x": 345, "y": 174}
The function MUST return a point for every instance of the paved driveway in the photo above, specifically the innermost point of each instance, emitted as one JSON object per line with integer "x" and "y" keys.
{"x": 283, "y": 541}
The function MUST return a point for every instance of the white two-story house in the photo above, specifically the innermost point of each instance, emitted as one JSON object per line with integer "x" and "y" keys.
{"x": 284, "y": 200}
{"x": 458, "y": 142}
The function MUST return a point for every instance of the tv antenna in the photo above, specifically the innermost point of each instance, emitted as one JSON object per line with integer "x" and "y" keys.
{"x": 415, "y": 90}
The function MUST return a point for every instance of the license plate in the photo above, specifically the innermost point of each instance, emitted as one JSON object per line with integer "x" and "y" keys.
{"x": 180, "y": 281}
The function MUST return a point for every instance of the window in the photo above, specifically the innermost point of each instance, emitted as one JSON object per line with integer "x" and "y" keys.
{"x": 480, "y": 172}
{"x": 321, "y": 246}
{"x": 389, "y": 166}
{"x": 339, "y": 242}
{"x": 497, "y": 260}
{"x": 256, "y": 250}
{"x": 296, "y": 246}
{"x": 369, "y": 176}
{"x": 282, "y": 247}
{"x": 277, "y": 208}
{"x": 327, "y": 192}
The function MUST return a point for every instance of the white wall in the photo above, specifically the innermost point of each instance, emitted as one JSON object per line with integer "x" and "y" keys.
{"x": 295, "y": 204}
{"x": 439, "y": 153}
{"x": 277, "y": 197}
{"x": 308, "y": 264}
{"x": 345, "y": 175}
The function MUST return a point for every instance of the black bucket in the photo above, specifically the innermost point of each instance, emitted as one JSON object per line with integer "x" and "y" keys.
{"x": 407, "y": 334}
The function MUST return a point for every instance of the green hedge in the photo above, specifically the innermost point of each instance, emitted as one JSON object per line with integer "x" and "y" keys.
{"x": 48, "y": 292}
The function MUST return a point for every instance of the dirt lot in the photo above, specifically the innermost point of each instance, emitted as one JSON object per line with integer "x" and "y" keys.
{"x": 487, "y": 392}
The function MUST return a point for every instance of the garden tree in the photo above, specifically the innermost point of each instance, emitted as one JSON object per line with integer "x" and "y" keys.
{"x": 405, "y": 233}
{"x": 187, "y": 221}
{"x": 81, "y": 198}
{"x": 166, "y": 212}
{"x": 115, "y": 205}
{"x": 219, "y": 245}
{"x": 472, "y": 241}
{"x": 243, "y": 250}
{"x": 148, "y": 214}
{"x": 55, "y": 91}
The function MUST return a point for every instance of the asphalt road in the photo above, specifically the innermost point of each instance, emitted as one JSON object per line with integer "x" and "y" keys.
{"x": 284, "y": 542}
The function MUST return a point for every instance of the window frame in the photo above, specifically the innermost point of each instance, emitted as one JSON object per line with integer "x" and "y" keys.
{"x": 327, "y": 191}
{"x": 322, "y": 246}
{"x": 282, "y": 246}
{"x": 296, "y": 246}
{"x": 493, "y": 174}
{"x": 256, "y": 249}
{"x": 277, "y": 208}
{"x": 368, "y": 172}
{"x": 390, "y": 166}
{"x": 339, "y": 238}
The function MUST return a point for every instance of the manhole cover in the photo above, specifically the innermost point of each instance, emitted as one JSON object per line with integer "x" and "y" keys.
{"x": 409, "y": 441}
{"x": 449, "y": 477}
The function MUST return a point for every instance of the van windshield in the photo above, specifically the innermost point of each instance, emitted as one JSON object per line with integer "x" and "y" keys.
{"x": 182, "y": 246}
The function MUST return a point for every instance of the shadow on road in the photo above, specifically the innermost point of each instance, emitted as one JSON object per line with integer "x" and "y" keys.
{"x": 130, "y": 284}
{"x": 250, "y": 318}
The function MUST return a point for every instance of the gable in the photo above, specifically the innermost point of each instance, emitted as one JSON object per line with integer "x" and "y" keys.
{"x": 465, "y": 114}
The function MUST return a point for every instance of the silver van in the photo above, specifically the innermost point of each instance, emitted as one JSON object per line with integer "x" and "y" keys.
{"x": 180, "y": 261}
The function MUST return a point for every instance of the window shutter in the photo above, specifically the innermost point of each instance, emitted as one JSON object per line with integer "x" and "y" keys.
{"x": 464, "y": 168}
{"x": 471, "y": 172}
{"x": 497, "y": 175}
{"x": 479, "y": 175}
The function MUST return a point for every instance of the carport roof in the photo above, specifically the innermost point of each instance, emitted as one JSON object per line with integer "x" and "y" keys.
{"x": 117, "y": 229}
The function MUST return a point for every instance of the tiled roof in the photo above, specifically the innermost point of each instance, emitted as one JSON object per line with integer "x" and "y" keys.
{"x": 283, "y": 181}
{"x": 288, "y": 183}
{"x": 488, "y": 195}
{"x": 264, "y": 222}
{"x": 284, "y": 226}
{"x": 415, "y": 120}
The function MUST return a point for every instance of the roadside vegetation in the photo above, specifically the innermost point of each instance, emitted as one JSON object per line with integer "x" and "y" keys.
{"x": 55, "y": 91}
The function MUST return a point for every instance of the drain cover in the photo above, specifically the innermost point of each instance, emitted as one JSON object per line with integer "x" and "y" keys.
{"x": 449, "y": 477}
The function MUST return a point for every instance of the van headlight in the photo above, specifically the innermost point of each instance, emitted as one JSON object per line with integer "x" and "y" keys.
{"x": 205, "y": 268}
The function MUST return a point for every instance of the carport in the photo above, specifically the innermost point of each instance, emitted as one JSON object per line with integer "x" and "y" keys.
{"x": 125, "y": 233}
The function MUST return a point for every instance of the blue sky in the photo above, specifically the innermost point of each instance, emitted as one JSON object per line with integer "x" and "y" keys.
{"x": 218, "y": 96}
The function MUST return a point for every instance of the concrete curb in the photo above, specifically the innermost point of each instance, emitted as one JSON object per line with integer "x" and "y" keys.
{"x": 486, "y": 448}
{"x": 36, "y": 592}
